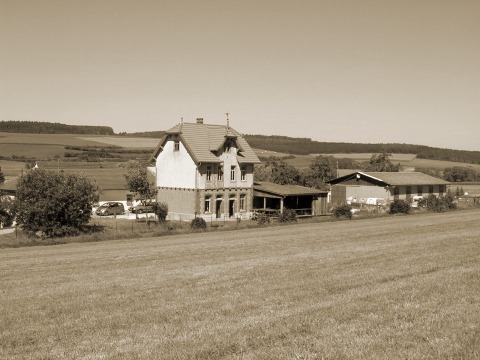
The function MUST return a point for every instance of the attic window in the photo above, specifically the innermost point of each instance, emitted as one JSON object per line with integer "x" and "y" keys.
{"x": 176, "y": 145}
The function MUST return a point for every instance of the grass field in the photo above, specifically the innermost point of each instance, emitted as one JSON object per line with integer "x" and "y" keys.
{"x": 405, "y": 287}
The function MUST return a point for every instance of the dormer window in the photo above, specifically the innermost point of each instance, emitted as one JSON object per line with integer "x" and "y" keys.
{"x": 176, "y": 145}
{"x": 209, "y": 173}
{"x": 243, "y": 173}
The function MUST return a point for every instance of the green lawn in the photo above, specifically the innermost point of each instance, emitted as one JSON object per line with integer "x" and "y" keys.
{"x": 399, "y": 287}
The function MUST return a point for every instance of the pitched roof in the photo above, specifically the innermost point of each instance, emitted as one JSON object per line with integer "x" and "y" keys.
{"x": 285, "y": 190}
{"x": 392, "y": 178}
{"x": 202, "y": 140}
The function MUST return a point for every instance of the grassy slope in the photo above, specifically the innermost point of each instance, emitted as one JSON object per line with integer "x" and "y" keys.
{"x": 390, "y": 288}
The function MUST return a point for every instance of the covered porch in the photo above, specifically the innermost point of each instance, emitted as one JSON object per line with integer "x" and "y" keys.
{"x": 271, "y": 199}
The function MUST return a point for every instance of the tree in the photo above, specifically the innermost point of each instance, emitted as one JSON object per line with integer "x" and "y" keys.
{"x": 283, "y": 173}
{"x": 320, "y": 171}
{"x": 262, "y": 172}
{"x": 2, "y": 177}
{"x": 56, "y": 203}
{"x": 137, "y": 180}
{"x": 6, "y": 211}
{"x": 459, "y": 173}
{"x": 381, "y": 162}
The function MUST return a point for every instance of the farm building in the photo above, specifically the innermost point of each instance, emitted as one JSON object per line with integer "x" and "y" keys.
{"x": 204, "y": 170}
{"x": 358, "y": 187}
{"x": 272, "y": 198}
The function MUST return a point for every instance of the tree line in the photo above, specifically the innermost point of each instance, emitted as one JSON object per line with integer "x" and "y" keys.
{"x": 39, "y": 127}
{"x": 305, "y": 146}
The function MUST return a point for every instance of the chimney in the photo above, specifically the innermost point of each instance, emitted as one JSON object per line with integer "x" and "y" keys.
{"x": 199, "y": 120}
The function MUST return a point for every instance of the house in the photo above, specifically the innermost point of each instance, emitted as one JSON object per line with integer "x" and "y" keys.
{"x": 269, "y": 197}
{"x": 353, "y": 186}
{"x": 204, "y": 170}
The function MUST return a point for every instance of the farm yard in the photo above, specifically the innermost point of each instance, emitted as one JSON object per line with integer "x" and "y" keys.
{"x": 399, "y": 287}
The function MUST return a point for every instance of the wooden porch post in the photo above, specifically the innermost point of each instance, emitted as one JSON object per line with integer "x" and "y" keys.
{"x": 281, "y": 205}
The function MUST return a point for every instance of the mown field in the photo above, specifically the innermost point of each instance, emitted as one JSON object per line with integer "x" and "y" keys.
{"x": 402, "y": 287}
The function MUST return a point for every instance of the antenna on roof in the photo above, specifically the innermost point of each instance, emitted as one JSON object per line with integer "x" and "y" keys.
{"x": 228, "y": 121}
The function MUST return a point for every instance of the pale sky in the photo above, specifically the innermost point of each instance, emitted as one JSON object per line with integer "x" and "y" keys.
{"x": 342, "y": 70}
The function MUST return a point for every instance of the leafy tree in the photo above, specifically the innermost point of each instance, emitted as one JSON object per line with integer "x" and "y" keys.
{"x": 284, "y": 173}
{"x": 198, "y": 223}
{"x": 56, "y": 203}
{"x": 137, "y": 180}
{"x": 381, "y": 162}
{"x": 459, "y": 173}
{"x": 342, "y": 211}
{"x": 262, "y": 173}
{"x": 320, "y": 171}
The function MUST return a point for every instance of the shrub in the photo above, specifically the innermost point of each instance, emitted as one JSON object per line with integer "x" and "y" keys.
{"x": 198, "y": 223}
{"x": 288, "y": 215}
{"x": 161, "y": 210}
{"x": 54, "y": 203}
{"x": 440, "y": 203}
{"x": 342, "y": 211}
{"x": 263, "y": 219}
{"x": 400, "y": 206}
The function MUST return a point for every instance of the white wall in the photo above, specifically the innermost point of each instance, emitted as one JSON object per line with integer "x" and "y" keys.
{"x": 175, "y": 168}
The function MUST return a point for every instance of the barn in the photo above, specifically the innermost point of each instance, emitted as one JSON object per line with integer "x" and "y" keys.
{"x": 358, "y": 186}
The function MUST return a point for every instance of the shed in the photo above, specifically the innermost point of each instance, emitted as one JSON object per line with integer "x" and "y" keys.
{"x": 269, "y": 197}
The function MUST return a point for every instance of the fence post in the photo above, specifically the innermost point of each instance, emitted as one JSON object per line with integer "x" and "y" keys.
{"x": 16, "y": 231}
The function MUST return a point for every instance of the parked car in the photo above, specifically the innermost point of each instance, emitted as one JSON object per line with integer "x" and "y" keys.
{"x": 110, "y": 208}
{"x": 142, "y": 207}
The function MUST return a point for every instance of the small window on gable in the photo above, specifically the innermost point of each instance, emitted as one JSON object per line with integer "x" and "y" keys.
{"x": 232, "y": 173}
{"x": 176, "y": 145}
{"x": 243, "y": 173}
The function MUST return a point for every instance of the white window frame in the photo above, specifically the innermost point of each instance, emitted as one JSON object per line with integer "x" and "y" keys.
{"x": 220, "y": 172}
{"x": 176, "y": 145}
{"x": 209, "y": 173}
{"x": 243, "y": 173}
{"x": 232, "y": 173}
{"x": 243, "y": 198}
{"x": 208, "y": 205}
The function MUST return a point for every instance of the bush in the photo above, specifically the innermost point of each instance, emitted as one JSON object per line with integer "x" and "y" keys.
{"x": 54, "y": 203}
{"x": 288, "y": 215}
{"x": 198, "y": 223}
{"x": 342, "y": 211}
{"x": 161, "y": 210}
{"x": 440, "y": 203}
{"x": 263, "y": 219}
{"x": 400, "y": 206}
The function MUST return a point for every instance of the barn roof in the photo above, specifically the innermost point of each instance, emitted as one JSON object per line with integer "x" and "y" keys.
{"x": 203, "y": 140}
{"x": 391, "y": 178}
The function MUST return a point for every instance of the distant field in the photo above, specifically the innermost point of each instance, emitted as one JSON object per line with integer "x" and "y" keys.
{"x": 401, "y": 287}
{"x": 125, "y": 141}
{"x": 11, "y": 168}
{"x": 45, "y": 139}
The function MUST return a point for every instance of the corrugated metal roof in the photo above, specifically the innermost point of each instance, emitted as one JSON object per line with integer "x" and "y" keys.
{"x": 285, "y": 190}
{"x": 392, "y": 178}
{"x": 202, "y": 140}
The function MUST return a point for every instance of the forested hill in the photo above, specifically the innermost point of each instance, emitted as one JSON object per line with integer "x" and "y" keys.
{"x": 303, "y": 146}
{"x": 38, "y": 127}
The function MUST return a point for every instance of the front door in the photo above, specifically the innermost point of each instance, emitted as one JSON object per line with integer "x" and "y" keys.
{"x": 231, "y": 204}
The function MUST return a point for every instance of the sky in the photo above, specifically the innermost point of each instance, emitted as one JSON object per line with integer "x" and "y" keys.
{"x": 360, "y": 71}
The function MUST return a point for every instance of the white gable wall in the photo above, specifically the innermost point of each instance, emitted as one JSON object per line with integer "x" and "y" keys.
{"x": 175, "y": 168}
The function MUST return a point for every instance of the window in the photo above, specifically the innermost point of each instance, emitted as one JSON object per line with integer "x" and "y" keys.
{"x": 209, "y": 173}
{"x": 242, "y": 202}
{"x": 430, "y": 189}
{"x": 232, "y": 173}
{"x": 408, "y": 191}
{"x": 243, "y": 174}
{"x": 220, "y": 173}
{"x": 176, "y": 145}
{"x": 207, "y": 204}
{"x": 420, "y": 190}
